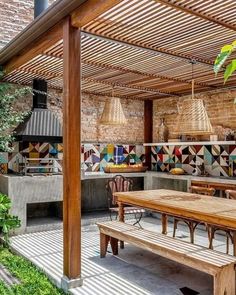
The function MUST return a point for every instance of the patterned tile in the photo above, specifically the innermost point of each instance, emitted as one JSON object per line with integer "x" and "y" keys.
{"x": 220, "y": 160}
{"x": 3, "y": 158}
{"x": 3, "y": 168}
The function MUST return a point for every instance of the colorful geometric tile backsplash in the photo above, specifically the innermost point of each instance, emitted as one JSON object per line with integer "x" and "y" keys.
{"x": 219, "y": 160}
{"x": 94, "y": 157}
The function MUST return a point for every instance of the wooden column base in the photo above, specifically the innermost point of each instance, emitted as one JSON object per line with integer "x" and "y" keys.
{"x": 67, "y": 284}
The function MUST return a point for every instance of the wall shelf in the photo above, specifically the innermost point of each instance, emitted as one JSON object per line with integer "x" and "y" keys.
{"x": 191, "y": 143}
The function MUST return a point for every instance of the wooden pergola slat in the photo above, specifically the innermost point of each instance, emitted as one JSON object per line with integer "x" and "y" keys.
{"x": 184, "y": 7}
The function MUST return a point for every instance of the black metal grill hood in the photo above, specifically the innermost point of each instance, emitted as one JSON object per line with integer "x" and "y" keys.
{"x": 42, "y": 125}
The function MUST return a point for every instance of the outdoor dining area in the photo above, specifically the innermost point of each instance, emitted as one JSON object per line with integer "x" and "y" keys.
{"x": 155, "y": 215}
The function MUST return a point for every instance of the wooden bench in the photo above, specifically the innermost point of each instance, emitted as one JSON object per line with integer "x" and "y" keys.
{"x": 221, "y": 266}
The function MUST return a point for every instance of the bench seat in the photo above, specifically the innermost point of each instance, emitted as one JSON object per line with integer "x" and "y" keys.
{"x": 219, "y": 265}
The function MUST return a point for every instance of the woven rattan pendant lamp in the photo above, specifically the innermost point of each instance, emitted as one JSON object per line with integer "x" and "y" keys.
{"x": 113, "y": 113}
{"x": 193, "y": 118}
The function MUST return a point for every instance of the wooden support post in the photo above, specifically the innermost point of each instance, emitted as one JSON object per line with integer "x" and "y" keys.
{"x": 148, "y": 130}
{"x": 71, "y": 160}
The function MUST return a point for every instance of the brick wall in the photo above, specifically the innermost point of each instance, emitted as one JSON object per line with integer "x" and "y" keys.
{"x": 219, "y": 105}
{"x": 15, "y": 15}
{"x": 92, "y": 107}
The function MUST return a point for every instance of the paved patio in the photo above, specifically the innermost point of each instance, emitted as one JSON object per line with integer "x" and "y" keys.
{"x": 134, "y": 271}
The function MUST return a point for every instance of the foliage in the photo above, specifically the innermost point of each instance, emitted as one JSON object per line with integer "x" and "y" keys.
{"x": 7, "y": 221}
{"x": 225, "y": 52}
{"x": 9, "y": 117}
{"x": 32, "y": 281}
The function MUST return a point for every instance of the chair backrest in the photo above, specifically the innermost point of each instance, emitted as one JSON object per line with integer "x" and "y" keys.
{"x": 231, "y": 194}
{"x": 118, "y": 183}
{"x": 202, "y": 190}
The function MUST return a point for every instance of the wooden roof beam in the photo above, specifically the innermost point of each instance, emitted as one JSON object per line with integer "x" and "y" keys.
{"x": 178, "y": 6}
{"x": 135, "y": 87}
{"x": 38, "y": 47}
{"x": 90, "y": 10}
{"x": 120, "y": 96}
{"x": 143, "y": 74}
{"x": 49, "y": 76}
{"x": 157, "y": 51}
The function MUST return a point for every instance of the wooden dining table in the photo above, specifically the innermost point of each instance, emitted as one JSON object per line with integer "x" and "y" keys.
{"x": 211, "y": 210}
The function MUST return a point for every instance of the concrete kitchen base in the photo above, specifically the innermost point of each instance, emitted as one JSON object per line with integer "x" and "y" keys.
{"x": 25, "y": 190}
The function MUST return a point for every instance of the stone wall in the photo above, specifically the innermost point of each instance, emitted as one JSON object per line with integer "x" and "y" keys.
{"x": 219, "y": 105}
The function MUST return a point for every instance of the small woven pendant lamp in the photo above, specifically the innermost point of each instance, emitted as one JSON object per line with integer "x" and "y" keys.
{"x": 113, "y": 113}
{"x": 193, "y": 118}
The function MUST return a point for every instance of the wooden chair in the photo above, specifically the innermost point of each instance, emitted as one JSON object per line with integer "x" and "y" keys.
{"x": 190, "y": 223}
{"x": 120, "y": 183}
{"x": 230, "y": 194}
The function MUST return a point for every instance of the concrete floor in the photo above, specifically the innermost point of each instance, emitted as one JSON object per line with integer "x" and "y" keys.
{"x": 133, "y": 272}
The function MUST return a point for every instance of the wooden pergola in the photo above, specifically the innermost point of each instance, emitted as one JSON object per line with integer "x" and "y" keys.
{"x": 144, "y": 48}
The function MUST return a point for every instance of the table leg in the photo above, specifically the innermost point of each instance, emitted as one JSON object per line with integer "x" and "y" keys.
{"x": 122, "y": 219}
{"x": 234, "y": 243}
{"x": 164, "y": 221}
{"x": 121, "y": 212}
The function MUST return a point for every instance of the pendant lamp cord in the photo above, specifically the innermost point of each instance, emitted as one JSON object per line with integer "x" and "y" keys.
{"x": 192, "y": 62}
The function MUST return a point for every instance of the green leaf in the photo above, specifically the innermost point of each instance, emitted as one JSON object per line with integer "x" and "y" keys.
{"x": 229, "y": 70}
{"x": 226, "y": 48}
{"x": 220, "y": 60}
{"x": 234, "y": 43}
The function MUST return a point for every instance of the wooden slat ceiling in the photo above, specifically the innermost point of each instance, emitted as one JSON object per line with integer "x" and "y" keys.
{"x": 144, "y": 49}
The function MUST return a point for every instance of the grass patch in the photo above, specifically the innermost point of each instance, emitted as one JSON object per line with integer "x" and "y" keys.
{"x": 32, "y": 281}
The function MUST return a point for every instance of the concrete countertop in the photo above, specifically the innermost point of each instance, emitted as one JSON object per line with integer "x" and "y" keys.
{"x": 94, "y": 175}
{"x": 98, "y": 175}
{"x": 87, "y": 175}
{"x": 230, "y": 180}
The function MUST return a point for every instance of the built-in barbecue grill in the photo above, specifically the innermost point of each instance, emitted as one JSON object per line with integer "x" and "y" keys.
{"x": 41, "y": 130}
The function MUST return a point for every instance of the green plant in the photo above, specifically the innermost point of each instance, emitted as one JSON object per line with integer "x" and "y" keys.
{"x": 225, "y": 52}
{"x": 7, "y": 221}
{"x": 9, "y": 117}
{"x": 31, "y": 280}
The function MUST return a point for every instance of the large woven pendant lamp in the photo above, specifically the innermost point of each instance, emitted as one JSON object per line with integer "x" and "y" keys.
{"x": 113, "y": 113}
{"x": 193, "y": 118}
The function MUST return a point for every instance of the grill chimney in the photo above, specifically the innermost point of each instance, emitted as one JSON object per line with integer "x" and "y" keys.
{"x": 40, "y": 94}
{"x": 40, "y": 99}
{"x": 39, "y": 7}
